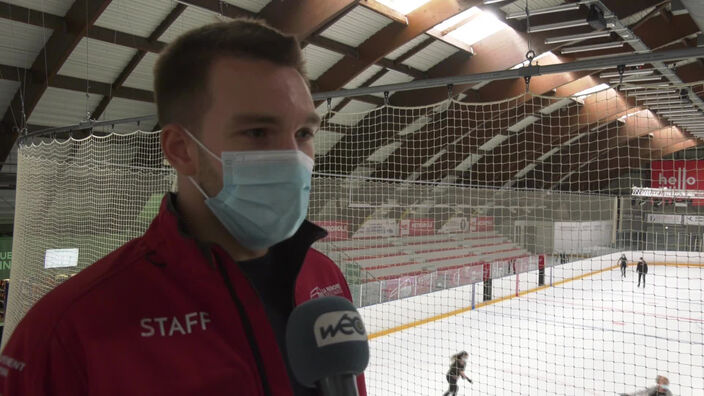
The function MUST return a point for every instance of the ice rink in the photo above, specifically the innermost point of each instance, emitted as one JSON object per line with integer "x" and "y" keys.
{"x": 600, "y": 335}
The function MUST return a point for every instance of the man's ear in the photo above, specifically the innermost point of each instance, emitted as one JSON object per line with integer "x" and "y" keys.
{"x": 179, "y": 149}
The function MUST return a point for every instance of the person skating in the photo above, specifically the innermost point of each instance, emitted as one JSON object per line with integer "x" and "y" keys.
{"x": 662, "y": 388}
{"x": 624, "y": 264}
{"x": 642, "y": 269}
{"x": 457, "y": 364}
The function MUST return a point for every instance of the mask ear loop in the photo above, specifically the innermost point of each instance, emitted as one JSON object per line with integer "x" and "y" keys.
{"x": 198, "y": 142}
{"x": 198, "y": 187}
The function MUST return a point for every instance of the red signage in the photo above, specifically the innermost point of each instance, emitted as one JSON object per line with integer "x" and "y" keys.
{"x": 416, "y": 227}
{"x": 678, "y": 175}
{"x": 481, "y": 224}
{"x": 337, "y": 230}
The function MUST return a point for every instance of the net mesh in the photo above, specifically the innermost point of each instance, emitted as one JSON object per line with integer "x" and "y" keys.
{"x": 493, "y": 228}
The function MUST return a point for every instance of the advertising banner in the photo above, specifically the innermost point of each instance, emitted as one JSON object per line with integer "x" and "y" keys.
{"x": 678, "y": 175}
{"x": 481, "y": 224}
{"x": 337, "y": 230}
{"x": 377, "y": 228}
{"x": 416, "y": 227}
{"x": 455, "y": 225}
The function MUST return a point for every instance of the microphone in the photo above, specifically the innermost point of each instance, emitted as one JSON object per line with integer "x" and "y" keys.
{"x": 327, "y": 345}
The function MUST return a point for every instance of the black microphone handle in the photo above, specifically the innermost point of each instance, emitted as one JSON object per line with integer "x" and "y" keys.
{"x": 339, "y": 385}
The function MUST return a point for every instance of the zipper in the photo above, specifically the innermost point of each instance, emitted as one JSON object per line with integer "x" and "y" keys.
{"x": 246, "y": 324}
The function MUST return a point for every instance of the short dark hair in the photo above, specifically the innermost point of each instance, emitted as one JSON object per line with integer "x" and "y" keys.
{"x": 181, "y": 73}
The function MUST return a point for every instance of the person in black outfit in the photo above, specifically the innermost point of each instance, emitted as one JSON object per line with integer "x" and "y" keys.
{"x": 624, "y": 264}
{"x": 642, "y": 269}
{"x": 457, "y": 365}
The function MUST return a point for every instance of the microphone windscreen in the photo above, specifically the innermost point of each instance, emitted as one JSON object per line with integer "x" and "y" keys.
{"x": 325, "y": 337}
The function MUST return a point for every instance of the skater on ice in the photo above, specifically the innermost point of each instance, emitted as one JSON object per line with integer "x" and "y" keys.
{"x": 457, "y": 365}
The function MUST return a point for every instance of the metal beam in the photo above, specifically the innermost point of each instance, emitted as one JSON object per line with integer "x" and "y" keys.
{"x": 12, "y": 73}
{"x": 591, "y": 64}
{"x": 79, "y": 19}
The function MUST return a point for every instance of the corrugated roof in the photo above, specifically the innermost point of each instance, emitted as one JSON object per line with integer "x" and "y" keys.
{"x": 97, "y": 60}
{"x": 637, "y": 16}
{"x": 318, "y": 60}
{"x": 126, "y": 108}
{"x": 249, "y": 5}
{"x": 20, "y": 43}
{"x": 362, "y": 77}
{"x": 7, "y": 92}
{"x": 142, "y": 76}
{"x": 356, "y": 26}
{"x": 325, "y": 140}
{"x": 61, "y": 107}
{"x": 391, "y": 77}
{"x": 138, "y": 17}
{"x": 430, "y": 55}
{"x": 393, "y": 55}
{"x": 56, "y": 7}
{"x": 352, "y": 113}
{"x": 191, "y": 18}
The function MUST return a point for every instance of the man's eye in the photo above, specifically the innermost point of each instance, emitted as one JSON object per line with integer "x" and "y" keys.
{"x": 305, "y": 134}
{"x": 255, "y": 132}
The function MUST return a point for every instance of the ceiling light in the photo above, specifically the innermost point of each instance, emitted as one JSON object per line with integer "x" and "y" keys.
{"x": 638, "y": 79}
{"x": 403, "y": 6}
{"x": 479, "y": 25}
{"x": 491, "y": 144}
{"x": 525, "y": 171}
{"x": 468, "y": 162}
{"x": 672, "y": 107}
{"x": 541, "y": 11}
{"x": 592, "y": 90}
{"x": 664, "y": 102}
{"x": 692, "y": 111}
{"x": 574, "y": 139}
{"x": 434, "y": 158}
{"x": 558, "y": 25}
{"x": 592, "y": 47}
{"x": 651, "y": 87}
{"x": 627, "y": 73}
{"x": 555, "y": 106}
{"x": 493, "y": 1}
{"x": 522, "y": 123}
{"x": 548, "y": 154}
{"x": 578, "y": 37}
{"x": 649, "y": 95}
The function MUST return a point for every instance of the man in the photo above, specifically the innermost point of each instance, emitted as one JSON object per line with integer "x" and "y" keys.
{"x": 198, "y": 305}
{"x": 641, "y": 269}
{"x": 624, "y": 264}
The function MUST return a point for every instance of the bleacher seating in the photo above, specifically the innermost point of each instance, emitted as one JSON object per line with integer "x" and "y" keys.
{"x": 389, "y": 258}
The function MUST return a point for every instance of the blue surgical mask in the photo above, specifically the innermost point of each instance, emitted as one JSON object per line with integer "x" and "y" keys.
{"x": 265, "y": 194}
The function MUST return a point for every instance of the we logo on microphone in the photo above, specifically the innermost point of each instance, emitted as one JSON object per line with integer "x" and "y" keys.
{"x": 339, "y": 326}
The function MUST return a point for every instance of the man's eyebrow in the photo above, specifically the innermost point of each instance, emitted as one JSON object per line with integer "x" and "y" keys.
{"x": 253, "y": 119}
{"x": 313, "y": 118}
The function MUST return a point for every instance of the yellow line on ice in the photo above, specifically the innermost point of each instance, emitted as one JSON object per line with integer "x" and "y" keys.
{"x": 504, "y": 298}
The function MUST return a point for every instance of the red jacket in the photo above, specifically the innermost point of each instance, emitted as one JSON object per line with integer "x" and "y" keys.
{"x": 155, "y": 317}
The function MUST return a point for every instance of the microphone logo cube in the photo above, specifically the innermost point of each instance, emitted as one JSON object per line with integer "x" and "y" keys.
{"x": 339, "y": 326}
